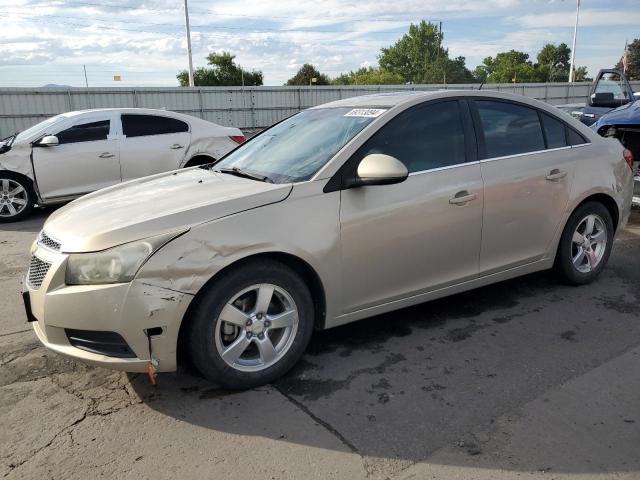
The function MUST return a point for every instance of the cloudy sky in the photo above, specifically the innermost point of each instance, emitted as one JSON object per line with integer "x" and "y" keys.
{"x": 44, "y": 41}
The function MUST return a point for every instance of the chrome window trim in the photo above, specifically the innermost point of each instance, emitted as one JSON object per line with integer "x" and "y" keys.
{"x": 420, "y": 172}
{"x": 447, "y": 167}
{"x": 533, "y": 153}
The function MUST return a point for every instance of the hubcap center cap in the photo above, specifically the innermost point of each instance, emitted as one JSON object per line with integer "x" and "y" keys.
{"x": 256, "y": 327}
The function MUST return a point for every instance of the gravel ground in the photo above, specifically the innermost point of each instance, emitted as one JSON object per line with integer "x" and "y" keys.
{"x": 527, "y": 378}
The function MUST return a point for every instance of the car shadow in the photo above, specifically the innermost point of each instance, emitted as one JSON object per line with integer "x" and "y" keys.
{"x": 443, "y": 374}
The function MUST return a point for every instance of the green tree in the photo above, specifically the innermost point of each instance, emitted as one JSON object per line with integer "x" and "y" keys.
{"x": 582, "y": 75}
{"x": 368, "y": 76}
{"x": 633, "y": 73}
{"x": 222, "y": 72}
{"x": 552, "y": 66}
{"x": 554, "y": 61}
{"x": 507, "y": 67}
{"x": 304, "y": 75}
{"x": 419, "y": 57}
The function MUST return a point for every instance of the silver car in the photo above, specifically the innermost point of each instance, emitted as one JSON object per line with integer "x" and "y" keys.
{"x": 68, "y": 155}
{"x": 341, "y": 212}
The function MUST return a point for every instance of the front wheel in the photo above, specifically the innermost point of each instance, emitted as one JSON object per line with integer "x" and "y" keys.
{"x": 585, "y": 244}
{"x": 251, "y": 325}
{"x": 16, "y": 197}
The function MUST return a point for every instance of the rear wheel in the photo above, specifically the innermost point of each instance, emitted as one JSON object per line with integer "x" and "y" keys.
{"x": 16, "y": 197}
{"x": 251, "y": 325}
{"x": 585, "y": 244}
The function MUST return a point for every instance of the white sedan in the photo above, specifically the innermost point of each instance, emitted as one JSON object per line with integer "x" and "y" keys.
{"x": 75, "y": 153}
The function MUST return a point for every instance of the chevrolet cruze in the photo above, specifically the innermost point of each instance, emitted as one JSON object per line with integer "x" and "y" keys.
{"x": 338, "y": 213}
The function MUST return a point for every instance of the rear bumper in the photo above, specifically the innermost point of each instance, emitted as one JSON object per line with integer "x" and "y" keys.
{"x": 127, "y": 309}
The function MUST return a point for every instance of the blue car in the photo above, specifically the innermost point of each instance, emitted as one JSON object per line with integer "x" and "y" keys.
{"x": 623, "y": 123}
{"x": 610, "y": 91}
{"x": 613, "y": 110}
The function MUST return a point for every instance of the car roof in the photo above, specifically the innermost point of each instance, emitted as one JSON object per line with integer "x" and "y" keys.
{"x": 392, "y": 99}
{"x": 405, "y": 99}
{"x": 153, "y": 111}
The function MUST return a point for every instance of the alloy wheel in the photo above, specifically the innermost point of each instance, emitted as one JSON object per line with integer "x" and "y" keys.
{"x": 256, "y": 327}
{"x": 588, "y": 243}
{"x": 14, "y": 198}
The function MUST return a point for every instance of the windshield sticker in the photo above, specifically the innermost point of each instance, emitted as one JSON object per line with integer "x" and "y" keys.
{"x": 365, "y": 112}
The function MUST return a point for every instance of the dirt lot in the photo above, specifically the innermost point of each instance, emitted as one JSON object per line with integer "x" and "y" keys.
{"x": 527, "y": 379}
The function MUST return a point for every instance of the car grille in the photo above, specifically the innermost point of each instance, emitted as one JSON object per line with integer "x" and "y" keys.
{"x": 37, "y": 271}
{"x": 48, "y": 242}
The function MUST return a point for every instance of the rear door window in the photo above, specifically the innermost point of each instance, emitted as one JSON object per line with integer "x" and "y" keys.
{"x": 135, "y": 125}
{"x": 509, "y": 129}
{"x": 85, "y": 132}
{"x": 554, "y": 131}
{"x": 423, "y": 137}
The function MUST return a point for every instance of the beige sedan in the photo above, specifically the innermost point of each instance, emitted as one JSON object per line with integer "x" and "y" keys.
{"x": 338, "y": 213}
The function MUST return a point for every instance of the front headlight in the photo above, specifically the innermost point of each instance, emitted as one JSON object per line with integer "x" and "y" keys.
{"x": 115, "y": 265}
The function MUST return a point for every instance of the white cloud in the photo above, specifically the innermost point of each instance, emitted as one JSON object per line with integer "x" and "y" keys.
{"x": 144, "y": 39}
{"x": 587, "y": 18}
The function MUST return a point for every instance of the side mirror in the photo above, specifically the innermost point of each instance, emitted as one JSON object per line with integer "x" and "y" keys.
{"x": 380, "y": 169}
{"x": 48, "y": 141}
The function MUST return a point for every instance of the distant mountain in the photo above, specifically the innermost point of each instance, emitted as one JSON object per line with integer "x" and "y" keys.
{"x": 53, "y": 85}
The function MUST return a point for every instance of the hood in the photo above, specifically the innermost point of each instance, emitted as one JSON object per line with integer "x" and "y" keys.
{"x": 154, "y": 205}
{"x": 628, "y": 114}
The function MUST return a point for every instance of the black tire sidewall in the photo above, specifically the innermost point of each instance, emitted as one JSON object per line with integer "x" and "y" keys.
{"x": 31, "y": 195}
{"x": 564, "y": 262}
{"x": 205, "y": 315}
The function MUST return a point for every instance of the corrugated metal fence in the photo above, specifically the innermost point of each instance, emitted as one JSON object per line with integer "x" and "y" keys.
{"x": 248, "y": 108}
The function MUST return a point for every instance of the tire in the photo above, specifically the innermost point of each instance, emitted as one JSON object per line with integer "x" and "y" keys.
{"x": 574, "y": 260}
{"x": 251, "y": 362}
{"x": 17, "y": 197}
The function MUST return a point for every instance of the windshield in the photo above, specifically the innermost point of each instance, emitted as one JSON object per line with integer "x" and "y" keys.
{"x": 37, "y": 127}
{"x": 295, "y": 149}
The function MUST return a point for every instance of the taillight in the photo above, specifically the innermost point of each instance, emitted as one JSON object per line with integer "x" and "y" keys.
{"x": 237, "y": 138}
{"x": 628, "y": 156}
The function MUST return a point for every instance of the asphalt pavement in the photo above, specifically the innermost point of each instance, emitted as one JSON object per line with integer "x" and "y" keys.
{"x": 527, "y": 378}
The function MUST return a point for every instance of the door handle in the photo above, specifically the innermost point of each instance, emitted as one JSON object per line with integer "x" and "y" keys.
{"x": 462, "y": 198}
{"x": 556, "y": 174}
{"x": 106, "y": 155}
{"x": 176, "y": 146}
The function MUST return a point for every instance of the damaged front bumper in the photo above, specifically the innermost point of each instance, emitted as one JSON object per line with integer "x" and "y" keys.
{"x": 103, "y": 325}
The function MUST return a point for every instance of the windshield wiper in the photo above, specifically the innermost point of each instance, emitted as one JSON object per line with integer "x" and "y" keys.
{"x": 244, "y": 174}
{"x": 7, "y": 142}
{"x": 10, "y": 139}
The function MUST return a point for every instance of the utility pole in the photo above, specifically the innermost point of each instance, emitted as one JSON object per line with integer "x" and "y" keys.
{"x": 572, "y": 73}
{"x": 186, "y": 22}
{"x": 86, "y": 82}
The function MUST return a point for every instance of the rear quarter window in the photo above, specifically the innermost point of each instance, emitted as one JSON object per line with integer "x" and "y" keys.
{"x": 574, "y": 138}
